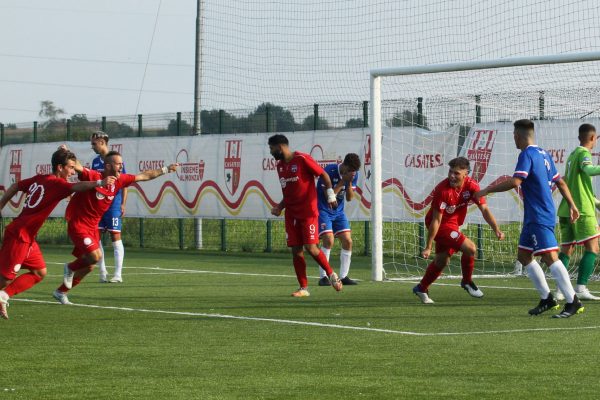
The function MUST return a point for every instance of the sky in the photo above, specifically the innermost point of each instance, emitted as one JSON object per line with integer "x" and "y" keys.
{"x": 128, "y": 57}
{"x": 96, "y": 58}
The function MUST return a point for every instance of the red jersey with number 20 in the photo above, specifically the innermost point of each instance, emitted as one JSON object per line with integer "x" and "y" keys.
{"x": 297, "y": 179}
{"x": 453, "y": 202}
{"x": 86, "y": 208}
{"x": 43, "y": 194}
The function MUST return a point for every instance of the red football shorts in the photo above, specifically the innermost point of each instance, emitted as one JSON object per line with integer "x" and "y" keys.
{"x": 448, "y": 239}
{"x": 85, "y": 239}
{"x": 16, "y": 254}
{"x": 301, "y": 231}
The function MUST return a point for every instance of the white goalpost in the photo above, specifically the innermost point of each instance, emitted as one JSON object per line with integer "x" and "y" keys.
{"x": 424, "y": 115}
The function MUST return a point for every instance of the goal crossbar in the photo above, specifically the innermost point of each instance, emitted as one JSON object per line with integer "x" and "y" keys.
{"x": 377, "y": 272}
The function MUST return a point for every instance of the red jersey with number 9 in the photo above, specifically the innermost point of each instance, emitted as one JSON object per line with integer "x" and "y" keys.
{"x": 297, "y": 179}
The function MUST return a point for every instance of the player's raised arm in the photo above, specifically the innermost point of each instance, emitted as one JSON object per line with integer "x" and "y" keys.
{"x": 155, "y": 173}
{"x": 509, "y": 184}
{"x": 87, "y": 185}
{"x": 8, "y": 194}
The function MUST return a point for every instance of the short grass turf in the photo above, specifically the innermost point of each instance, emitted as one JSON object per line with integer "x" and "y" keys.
{"x": 196, "y": 325}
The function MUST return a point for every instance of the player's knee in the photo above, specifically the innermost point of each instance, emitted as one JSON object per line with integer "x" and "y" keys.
{"x": 40, "y": 273}
{"x": 347, "y": 243}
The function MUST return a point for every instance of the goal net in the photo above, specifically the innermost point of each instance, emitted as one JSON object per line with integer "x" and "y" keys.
{"x": 423, "y": 116}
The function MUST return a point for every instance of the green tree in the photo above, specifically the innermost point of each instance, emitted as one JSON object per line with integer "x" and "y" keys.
{"x": 308, "y": 124}
{"x": 407, "y": 118}
{"x": 185, "y": 128}
{"x": 49, "y": 110}
{"x": 280, "y": 119}
{"x": 355, "y": 123}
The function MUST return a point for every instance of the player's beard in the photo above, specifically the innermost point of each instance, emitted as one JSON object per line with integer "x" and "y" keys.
{"x": 278, "y": 155}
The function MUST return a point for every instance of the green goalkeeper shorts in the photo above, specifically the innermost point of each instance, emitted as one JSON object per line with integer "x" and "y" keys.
{"x": 584, "y": 229}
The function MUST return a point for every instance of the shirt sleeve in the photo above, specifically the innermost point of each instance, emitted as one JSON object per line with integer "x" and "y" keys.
{"x": 88, "y": 175}
{"x": 126, "y": 180}
{"x": 24, "y": 184}
{"x": 523, "y": 166}
{"x": 313, "y": 166}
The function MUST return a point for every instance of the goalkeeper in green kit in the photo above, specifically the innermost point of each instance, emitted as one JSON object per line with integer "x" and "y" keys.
{"x": 578, "y": 176}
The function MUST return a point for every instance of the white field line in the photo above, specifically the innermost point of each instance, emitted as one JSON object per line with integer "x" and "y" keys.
{"x": 166, "y": 271}
{"x": 316, "y": 324}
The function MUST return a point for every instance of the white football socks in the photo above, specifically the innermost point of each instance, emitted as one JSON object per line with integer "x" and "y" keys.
{"x": 345, "y": 257}
{"x": 101, "y": 263}
{"x": 327, "y": 252}
{"x": 119, "y": 251}
{"x": 561, "y": 276}
{"x": 536, "y": 274}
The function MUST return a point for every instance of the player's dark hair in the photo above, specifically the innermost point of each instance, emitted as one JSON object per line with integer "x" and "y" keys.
{"x": 524, "y": 127}
{"x": 111, "y": 154}
{"x": 278, "y": 139}
{"x": 460, "y": 162}
{"x": 585, "y": 131}
{"x": 352, "y": 161}
{"x": 99, "y": 135}
{"x": 61, "y": 157}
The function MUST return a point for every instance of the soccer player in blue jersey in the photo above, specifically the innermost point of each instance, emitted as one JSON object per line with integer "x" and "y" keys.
{"x": 535, "y": 173}
{"x": 112, "y": 220}
{"x": 332, "y": 221}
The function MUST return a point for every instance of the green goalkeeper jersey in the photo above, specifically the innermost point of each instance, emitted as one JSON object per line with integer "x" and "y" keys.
{"x": 579, "y": 183}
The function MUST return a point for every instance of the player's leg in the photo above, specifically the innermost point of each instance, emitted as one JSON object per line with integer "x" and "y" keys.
{"x": 12, "y": 256}
{"x": 467, "y": 265}
{"x": 327, "y": 240}
{"x": 119, "y": 251}
{"x": 586, "y": 230}
{"x": 75, "y": 271}
{"x": 561, "y": 276}
{"x": 567, "y": 246}
{"x": 433, "y": 272}
{"x": 34, "y": 262}
{"x": 310, "y": 239}
{"x": 341, "y": 228}
{"x": 102, "y": 227}
{"x": 293, "y": 235}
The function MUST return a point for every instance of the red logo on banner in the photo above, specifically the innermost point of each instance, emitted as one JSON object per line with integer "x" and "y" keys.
{"x": 189, "y": 171}
{"x": 367, "y": 163}
{"x": 323, "y": 159}
{"x": 233, "y": 164}
{"x": 14, "y": 169}
{"x": 480, "y": 152}
{"x": 117, "y": 147}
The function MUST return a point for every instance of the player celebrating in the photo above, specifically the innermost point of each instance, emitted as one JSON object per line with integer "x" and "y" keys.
{"x": 297, "y": 172}
{"x": 19, "y": 248}
{"x": 112, "y": 220}
{"x": 85, "y": 211}
{"x": 333, "y": 221}
{"x": 535, "y": 172}
{"x": 451, "y": 197}
{"x": 585, "y": 230}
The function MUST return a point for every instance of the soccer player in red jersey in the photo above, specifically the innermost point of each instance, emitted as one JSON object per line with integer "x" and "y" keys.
{"x": 19, "y": 248}
{"x": 85, "y": 211}
{"x": 297, "y": 172}
{"x": 451, "y": 198}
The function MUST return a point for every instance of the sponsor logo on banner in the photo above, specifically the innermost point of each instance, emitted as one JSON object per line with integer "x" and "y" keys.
{"x": 480, "y": 151}
{"x": 322, "y": 158}
{"x": 188, "y": 170}
{"x": 233, "y": 164}
{"x": 367, "y": 163}
{"x": 15, "y": 168}
{"x": 116, "y": 147}
{"x": 43, "y": 169}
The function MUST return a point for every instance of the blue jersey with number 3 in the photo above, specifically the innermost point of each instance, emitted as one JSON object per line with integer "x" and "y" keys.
{"x": 537, "y": 170}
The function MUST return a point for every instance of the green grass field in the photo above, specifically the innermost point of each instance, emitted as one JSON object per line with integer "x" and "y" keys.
{"x": 193, "y": 325}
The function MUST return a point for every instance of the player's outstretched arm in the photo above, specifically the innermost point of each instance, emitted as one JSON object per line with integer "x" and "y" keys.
{"x": 432, "y": 231}
{"x": 155, "y": 173}
{"x": 8, "y": 194}
{"x": 566, "y": 194}
{"x": 504, "y": 186}
{"x": 87, "y": 185}
{"x": 491, "y": 220}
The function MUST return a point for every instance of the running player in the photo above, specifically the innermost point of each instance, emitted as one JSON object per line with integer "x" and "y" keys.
{"x": 333, "y": 221}
{"x": 535, "y": 173}
{"x": 85, "y": 211}
{"x": 451, "y": 197}
{"x": 19, "y": 249}
{"x": 297, "y": 172}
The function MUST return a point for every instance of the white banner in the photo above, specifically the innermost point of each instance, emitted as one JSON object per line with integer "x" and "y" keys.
{"x": 233, "y": 176}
